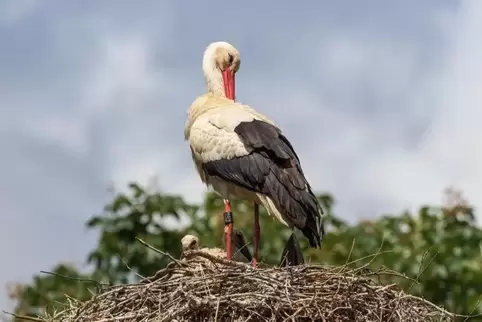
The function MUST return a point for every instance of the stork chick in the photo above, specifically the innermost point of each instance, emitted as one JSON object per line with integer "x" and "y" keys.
{"x": 238, "y": 245}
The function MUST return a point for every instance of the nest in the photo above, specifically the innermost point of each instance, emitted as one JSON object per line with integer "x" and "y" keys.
{"x": 206, "y": 288}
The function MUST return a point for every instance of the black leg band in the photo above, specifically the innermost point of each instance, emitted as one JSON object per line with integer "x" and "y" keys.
{"x": 228, "y": 218}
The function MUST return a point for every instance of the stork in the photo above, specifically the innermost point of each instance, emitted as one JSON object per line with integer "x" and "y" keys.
{"x": 242, "y": 154}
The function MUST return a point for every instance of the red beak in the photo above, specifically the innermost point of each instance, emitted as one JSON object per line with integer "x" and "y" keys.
{"x": 228, "y": 78}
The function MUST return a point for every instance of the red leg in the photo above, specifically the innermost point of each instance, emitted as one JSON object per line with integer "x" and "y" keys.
{"x": 256, "y": 233}
{"x": 228, "y": 227}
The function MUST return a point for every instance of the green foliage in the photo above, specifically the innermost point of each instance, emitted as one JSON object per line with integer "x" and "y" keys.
{"x": 142, "y": 215}
{"x": 438, "y": 247}
{"x": 50, "y": 290}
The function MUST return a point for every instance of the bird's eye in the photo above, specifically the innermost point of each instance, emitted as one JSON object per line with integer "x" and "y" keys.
{"x": 193, "y": 242}
{"x": 231, "y": 59}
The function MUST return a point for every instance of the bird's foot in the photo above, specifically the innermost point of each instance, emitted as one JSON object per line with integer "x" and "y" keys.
{"x": 254, "y": 262}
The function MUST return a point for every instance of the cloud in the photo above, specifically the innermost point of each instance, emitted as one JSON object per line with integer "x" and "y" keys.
{"x": 12, "y": 11}
{"x": 447, "y": 152}
{"x": 451, "y": 146}
{"x": 380, "y": 101}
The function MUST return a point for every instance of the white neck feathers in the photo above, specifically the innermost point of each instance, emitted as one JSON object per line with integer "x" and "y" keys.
{"x": 212, "y": 74}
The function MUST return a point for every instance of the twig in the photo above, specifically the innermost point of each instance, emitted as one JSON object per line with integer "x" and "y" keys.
{"x": 420, "y": 272}
{"x": 215, "y": 259}
{"x": 158, "y": 251}
{"x": 473, "y": 310}
{"x": 217, "y": 311}
{"x": 99, "y": 285}
{"x": 437, "y": 308}
{"x": 351, "y": 251}
{"x": 129, "y": 268}
{"x": 23, "y": 317}
{"x": 373, "y": 257}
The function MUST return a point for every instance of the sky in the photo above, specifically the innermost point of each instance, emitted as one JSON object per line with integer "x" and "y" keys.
{"x": 380, "y": 100}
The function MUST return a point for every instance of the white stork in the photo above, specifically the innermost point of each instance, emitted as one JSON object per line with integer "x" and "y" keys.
{"x": 243, "y": 154}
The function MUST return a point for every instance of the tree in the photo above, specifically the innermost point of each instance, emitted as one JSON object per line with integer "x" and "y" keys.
{"x": 143, "y": 215}
{"x": 439, "y": 247}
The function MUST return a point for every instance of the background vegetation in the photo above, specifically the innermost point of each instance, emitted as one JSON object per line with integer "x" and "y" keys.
{"x": 438, "y": 247}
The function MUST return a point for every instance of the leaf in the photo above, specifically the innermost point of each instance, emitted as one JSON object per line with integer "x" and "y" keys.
{"x": 95, "y": 221}
{"x": 136, "y": 189}
{"x": 120, "y": 202}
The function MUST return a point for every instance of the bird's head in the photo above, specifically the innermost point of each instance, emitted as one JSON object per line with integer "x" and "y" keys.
{"x": 220, "y": 62}
{"x": 189, "y": 242}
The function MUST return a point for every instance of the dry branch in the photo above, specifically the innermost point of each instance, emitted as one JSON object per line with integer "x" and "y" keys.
{"x": 206, "y": 288}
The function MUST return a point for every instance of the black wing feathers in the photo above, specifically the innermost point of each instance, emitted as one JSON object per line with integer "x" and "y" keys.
{"x": 249, "y": 175}
{"x": 264, "y": 136}
{"x": 272, "y": 168}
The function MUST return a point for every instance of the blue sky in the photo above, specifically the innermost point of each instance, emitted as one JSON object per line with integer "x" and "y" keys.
{"x": 382, "y": 102}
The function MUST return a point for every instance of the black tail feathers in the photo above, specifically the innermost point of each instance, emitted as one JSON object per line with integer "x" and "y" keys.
{"x": 292, "y": 254}
{"x": 313, "y": 235}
